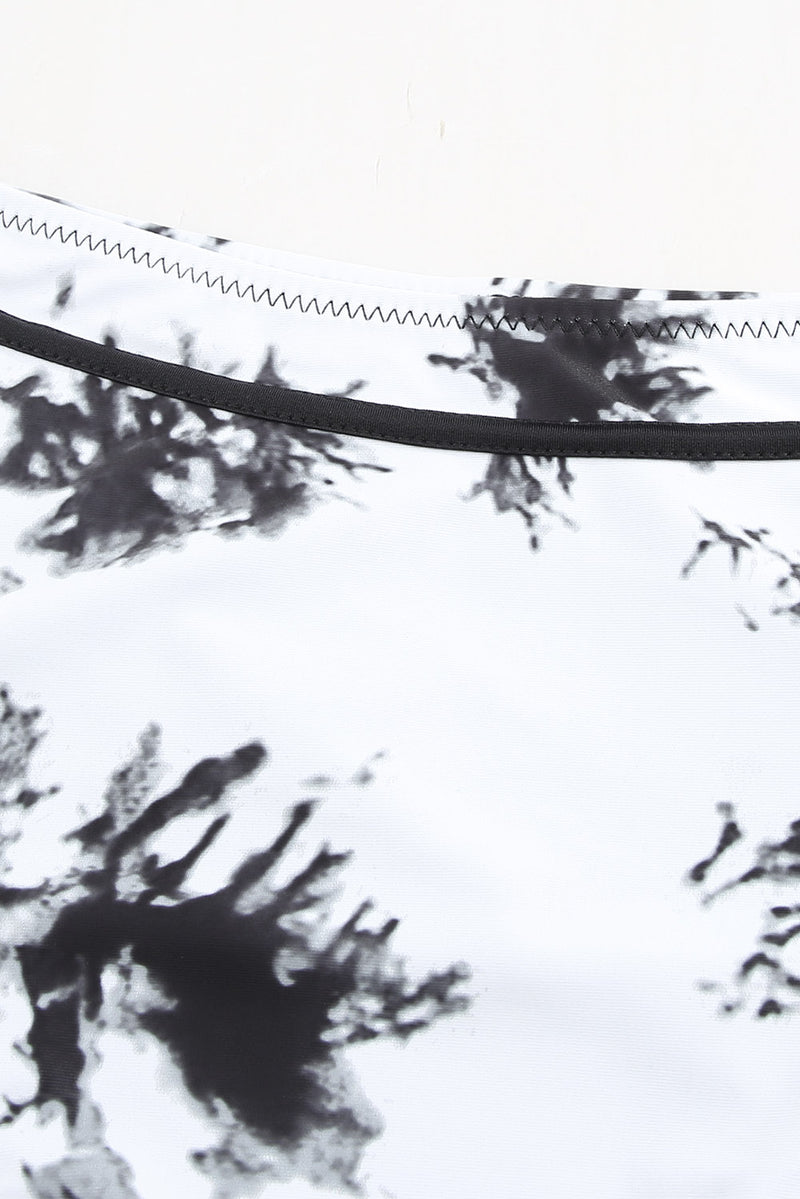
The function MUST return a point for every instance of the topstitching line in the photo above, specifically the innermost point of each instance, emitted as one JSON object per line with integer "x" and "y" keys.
{"x": 536, "y": 323}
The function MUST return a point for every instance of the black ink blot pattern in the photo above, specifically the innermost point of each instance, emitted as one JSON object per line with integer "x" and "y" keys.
{"x": 253, "y": 995}
{"x": 565, "y": 375}
{"x": 754, "y": 545}
{"x": 144, "y": 472}
{"x": 763, "y": 982}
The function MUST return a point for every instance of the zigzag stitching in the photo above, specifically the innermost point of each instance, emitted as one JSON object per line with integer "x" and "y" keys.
{"x": 582, "y": 325}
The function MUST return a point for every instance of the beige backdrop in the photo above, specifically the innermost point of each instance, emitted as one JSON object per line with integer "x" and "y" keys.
{"x": 627, "y": 143}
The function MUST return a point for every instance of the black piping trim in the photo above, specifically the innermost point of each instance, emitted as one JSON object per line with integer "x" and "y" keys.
{"x": 740, "y": 440}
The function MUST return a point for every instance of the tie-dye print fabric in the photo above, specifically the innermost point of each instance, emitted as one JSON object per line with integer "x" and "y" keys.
{"x": 384, "y": 819}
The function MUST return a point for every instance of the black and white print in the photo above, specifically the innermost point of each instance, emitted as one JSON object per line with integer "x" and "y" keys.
{"x": 767, "y": 980}
{"x": 134, "y": 473}
{"x": 378, "y": 819}
{"x": 778, "y": 571}
{"x": 249, "y": 988}
{"x": 561, "y": 368}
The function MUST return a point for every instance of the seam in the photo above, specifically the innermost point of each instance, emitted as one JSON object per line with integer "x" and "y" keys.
{"x": 352, "y": 429}
{"x": 533, "y": 323}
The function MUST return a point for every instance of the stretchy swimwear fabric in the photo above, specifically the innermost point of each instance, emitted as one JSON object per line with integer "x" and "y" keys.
{"x": 398, "y": 702}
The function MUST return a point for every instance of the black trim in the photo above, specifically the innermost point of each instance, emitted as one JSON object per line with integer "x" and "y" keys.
{"x": 742, "y": 440}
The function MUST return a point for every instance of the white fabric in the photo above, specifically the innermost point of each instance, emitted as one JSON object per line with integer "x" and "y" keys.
{"x": 522, "y": 746}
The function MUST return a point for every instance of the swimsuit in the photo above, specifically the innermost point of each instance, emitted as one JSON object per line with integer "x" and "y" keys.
{"x": 398, "y": 703}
